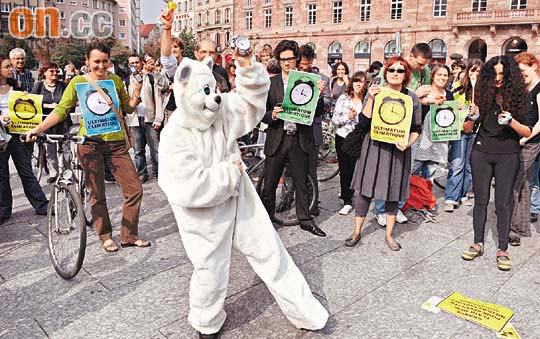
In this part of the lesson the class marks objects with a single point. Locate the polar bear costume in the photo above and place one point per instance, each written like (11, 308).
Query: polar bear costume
(215, 206)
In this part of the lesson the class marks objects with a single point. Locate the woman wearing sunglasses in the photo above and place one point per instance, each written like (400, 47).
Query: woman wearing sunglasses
(505, 118)
(52, 89)
(383, 170)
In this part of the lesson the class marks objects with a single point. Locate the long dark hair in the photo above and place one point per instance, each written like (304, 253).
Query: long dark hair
(466, 86)
(512, 96)
(10, 81)
(357, 77)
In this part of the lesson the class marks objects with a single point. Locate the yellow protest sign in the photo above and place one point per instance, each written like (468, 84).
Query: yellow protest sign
(392, 116)
(492, 316)
(25, 111)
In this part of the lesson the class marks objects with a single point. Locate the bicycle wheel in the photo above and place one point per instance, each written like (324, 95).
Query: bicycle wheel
(85, 198)
(38, 160)
(66, 229)
(327, 166)
(285, 211)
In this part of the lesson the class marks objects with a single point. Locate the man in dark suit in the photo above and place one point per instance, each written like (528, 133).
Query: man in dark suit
(288, 142)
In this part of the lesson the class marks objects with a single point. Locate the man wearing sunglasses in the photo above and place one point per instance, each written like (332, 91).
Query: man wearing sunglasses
(288, 142)
(418, 59)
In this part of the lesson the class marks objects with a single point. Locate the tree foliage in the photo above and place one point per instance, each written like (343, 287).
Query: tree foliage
(189, 43)
(65, 50)
(9, 43)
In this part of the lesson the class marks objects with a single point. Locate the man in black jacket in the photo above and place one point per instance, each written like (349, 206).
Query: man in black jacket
(288, 142)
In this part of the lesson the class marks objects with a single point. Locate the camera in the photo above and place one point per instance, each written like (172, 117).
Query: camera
(242, 43)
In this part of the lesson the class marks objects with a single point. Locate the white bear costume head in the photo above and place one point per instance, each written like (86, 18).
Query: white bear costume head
(195, 91)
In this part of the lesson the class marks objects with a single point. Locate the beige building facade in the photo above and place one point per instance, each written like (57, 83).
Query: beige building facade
(362, 31)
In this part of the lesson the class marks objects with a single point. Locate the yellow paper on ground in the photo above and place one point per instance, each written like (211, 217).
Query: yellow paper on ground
(392, 116)
(492, 316)
(25, 111)
(509, 332)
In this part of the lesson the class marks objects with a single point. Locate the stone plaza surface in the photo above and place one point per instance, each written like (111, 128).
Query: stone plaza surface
(370, 291)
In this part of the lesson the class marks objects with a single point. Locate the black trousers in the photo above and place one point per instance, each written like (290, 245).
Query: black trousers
(346, 171)
(313, 159)
(504, 167)
(289, 151)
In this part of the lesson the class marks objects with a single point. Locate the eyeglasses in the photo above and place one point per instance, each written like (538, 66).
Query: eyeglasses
(291, 59)
(396, 70)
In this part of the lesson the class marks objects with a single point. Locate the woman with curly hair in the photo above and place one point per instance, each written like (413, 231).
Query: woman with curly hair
(459, 179)
(503, 103)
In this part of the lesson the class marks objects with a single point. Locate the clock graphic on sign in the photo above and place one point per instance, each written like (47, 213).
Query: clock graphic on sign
(444, 117)
(96, 103)
(392, 110)
(25, 109)
(302, 92)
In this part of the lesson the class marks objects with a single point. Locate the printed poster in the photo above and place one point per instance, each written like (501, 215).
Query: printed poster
(98, 116)
(445, 121)
(392, 117)
(25, 111)
(491, 316)
(301, 96)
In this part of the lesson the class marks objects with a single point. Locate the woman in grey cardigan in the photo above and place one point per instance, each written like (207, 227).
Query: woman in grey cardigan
(383, 170)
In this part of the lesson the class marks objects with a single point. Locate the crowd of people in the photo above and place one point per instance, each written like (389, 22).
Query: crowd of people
(498, 146)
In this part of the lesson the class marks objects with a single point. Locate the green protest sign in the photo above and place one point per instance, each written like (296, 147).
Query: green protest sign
(445, 121)
(301, 96)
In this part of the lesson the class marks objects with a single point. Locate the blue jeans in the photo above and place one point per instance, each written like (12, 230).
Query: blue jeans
(379, 206)
(22, 160)
(459, 178)
(425, 169)
(144, 135)
(534, 188)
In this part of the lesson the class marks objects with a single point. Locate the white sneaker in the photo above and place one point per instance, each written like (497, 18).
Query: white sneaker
(381, 219)
(400, 217)
(345, 210)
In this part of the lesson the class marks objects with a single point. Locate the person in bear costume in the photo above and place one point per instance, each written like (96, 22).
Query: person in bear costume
(214, 202)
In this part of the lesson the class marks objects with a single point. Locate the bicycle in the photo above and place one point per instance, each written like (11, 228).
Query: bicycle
(66, 223)
(327, 166)
(38, 161)
(284, 213)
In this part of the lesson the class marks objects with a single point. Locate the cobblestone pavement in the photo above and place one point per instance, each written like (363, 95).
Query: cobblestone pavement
(370, 291)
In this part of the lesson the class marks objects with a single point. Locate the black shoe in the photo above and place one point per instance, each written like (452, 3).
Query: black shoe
(3, 220)
(315, 212)
(51, 180)
(41, 212)
(534, 217)
(313, 229)
(514, 241)
(209, 336)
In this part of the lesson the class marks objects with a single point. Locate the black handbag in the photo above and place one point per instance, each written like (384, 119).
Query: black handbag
(352, 145)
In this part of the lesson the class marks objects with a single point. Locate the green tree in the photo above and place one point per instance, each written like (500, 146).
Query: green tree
(65, 50)
(189, 43)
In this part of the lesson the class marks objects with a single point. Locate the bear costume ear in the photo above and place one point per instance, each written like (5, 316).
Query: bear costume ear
(185, 70)
(208, 61)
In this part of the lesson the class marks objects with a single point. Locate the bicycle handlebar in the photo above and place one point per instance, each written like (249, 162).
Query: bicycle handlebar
(64, 137)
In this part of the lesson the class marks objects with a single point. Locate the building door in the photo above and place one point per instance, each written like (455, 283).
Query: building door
(478, 50)
(514, 46)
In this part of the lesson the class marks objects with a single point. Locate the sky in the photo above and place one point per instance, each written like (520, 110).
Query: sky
(150, 10)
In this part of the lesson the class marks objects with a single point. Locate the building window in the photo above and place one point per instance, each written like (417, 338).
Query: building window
(60, 1)
(249, 20)
(122, 35)
(518, 4)
(207, 18)
(312, 14)
(62, 15)
(396, 9)
(248, 3)
(227, 15)
(121, 10)
(267, 18)
(390, 49)
(95, 4)
(218, 16)
(73, 2)
(337, 12)
(288, 16)
(122, 23)
(479, 5)
(362, 50)
(439, 8)
(85, 3)
(5, 8)
(199, 20)
(365, 10)
(267, 2)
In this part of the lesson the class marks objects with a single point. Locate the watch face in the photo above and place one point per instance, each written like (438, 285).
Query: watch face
(25, 110)
(392, 112)
(301, 94)
(444, 117)
(96, 104)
